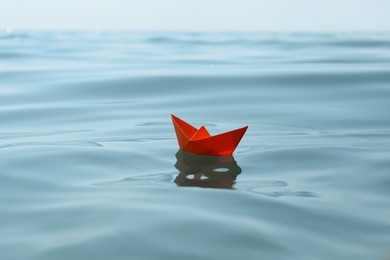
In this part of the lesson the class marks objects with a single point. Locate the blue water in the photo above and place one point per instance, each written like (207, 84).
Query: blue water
(90, 167)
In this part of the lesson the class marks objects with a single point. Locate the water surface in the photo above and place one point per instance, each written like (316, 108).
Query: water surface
(90, 167)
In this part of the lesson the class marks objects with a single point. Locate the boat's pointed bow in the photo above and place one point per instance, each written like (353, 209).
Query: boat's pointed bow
(184, 131)
(236, 136)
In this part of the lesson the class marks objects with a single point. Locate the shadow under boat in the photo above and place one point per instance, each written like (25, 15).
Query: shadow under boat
(206, 171)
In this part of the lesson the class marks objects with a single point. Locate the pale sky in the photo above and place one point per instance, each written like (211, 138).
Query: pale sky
(297, 15)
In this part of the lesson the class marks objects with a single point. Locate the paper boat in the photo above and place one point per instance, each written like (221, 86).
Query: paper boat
(199, 141)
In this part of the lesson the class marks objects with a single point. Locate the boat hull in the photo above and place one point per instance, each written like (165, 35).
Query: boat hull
(218, 145)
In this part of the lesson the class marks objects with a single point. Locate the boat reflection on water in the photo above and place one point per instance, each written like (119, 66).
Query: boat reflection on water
(206, 171)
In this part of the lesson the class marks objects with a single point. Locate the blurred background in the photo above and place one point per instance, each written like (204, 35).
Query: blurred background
(198, 15)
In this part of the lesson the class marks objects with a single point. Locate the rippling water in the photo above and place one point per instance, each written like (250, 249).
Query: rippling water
(90, 167)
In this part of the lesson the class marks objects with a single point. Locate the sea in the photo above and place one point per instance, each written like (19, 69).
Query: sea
(90, 167)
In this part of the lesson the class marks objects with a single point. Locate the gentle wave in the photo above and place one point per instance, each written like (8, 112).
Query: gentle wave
(90, 166)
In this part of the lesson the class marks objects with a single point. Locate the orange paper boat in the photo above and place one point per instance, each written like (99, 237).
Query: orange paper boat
(199, 141)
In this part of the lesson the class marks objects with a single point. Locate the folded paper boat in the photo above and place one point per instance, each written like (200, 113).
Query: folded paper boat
(199, 141)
